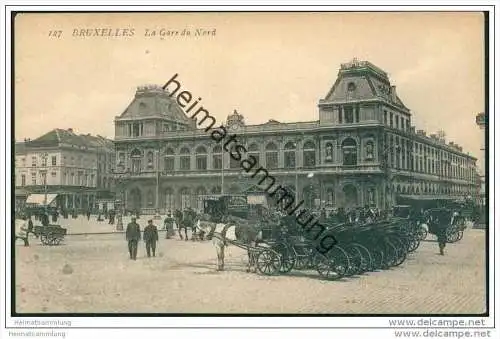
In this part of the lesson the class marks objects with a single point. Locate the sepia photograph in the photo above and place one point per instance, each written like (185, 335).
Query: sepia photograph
(250, 163)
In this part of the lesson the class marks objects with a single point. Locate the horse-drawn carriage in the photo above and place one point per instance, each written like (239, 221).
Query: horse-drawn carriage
(446, 220)
(49, 234)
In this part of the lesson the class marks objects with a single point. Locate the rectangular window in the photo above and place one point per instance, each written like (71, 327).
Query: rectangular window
(385, 117)
(272, 160)
(33, 161)
(233, 164)
(397, 121)
(185, 163)
(408, 124)
(357, 114)
(201, 162)
(391, 117)
(33, 178)
(349, 115)
(340, 115)
(169, 164)
(217, 161)
(54, 160)
(23, 180)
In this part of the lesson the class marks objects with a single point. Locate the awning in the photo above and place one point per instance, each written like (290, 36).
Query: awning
(39, 199)
(210, 197)
(427, 197)
(259, 199)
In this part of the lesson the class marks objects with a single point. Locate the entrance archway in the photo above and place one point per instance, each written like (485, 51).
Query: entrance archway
(350, 196)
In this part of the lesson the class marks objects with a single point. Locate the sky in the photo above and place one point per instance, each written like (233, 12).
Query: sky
(264, 65)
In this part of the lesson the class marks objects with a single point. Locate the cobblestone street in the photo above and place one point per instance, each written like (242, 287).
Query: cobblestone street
(92, 273)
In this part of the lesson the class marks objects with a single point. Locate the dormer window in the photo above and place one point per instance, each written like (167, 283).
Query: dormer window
(351, 87)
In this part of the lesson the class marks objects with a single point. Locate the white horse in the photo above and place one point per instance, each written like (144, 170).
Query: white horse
(233, 229)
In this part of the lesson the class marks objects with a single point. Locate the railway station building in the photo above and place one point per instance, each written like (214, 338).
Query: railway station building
(361, 150)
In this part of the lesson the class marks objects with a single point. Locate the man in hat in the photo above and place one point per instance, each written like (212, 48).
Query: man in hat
(150, 238)
(133, 235)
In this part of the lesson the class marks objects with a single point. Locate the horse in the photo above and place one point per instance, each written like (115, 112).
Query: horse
(184, 220)
(230, 229)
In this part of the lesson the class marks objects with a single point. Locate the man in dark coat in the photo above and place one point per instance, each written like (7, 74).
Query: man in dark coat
(150, 238)
(133, 235)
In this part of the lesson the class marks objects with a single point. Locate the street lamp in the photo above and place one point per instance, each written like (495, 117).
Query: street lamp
(157, 205)
(119, 177)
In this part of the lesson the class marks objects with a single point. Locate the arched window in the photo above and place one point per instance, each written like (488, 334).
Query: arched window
(201, 158)
(330, 197)
(169, 161)
(150, 199)
(136, 156)
(185, 198)
(349, 152)
(233, 163)
(217, 157)
(309, 152)
(185, 158)
(200, 191)
(271, 156)
(290, 155)
(169, 200)
(254, 151)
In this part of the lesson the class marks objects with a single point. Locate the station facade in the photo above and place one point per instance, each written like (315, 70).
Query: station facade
(362, 150)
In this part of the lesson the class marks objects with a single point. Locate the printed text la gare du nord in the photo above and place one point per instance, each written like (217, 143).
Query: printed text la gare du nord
(147, 32)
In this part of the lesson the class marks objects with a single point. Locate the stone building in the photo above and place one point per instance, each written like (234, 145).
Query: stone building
(76, 169)
(361, 150)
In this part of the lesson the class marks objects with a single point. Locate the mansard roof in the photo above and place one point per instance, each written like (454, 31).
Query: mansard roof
(362, 80)
(58, 137)
(152, 101)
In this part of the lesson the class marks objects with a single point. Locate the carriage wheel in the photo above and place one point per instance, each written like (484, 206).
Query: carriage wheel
(268, 262)
(326, 267)
(413, 244)
(44, 239)
(460, 235)
(355, 259)
(287, 257)
(57, 240)
(366, 258)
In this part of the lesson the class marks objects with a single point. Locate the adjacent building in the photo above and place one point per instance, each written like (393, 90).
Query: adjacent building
(481, 122)
(76, 169)
(361, 150)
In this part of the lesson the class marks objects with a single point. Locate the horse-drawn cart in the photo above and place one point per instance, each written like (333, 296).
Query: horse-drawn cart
(50, 235)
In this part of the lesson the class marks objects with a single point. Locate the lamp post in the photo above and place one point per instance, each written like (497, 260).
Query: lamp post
(222, 173)
(157, 205)
(119, 176)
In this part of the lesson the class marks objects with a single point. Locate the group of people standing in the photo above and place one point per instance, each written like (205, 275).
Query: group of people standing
(133, 236)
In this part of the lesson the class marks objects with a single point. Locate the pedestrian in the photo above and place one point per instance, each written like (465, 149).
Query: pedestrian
(150, 238)
(22, 230)
(168, 224)
(133, 235)
(88, 214)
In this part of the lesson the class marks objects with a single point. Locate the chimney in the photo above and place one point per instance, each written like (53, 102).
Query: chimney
(70, 130)
(393, 93)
